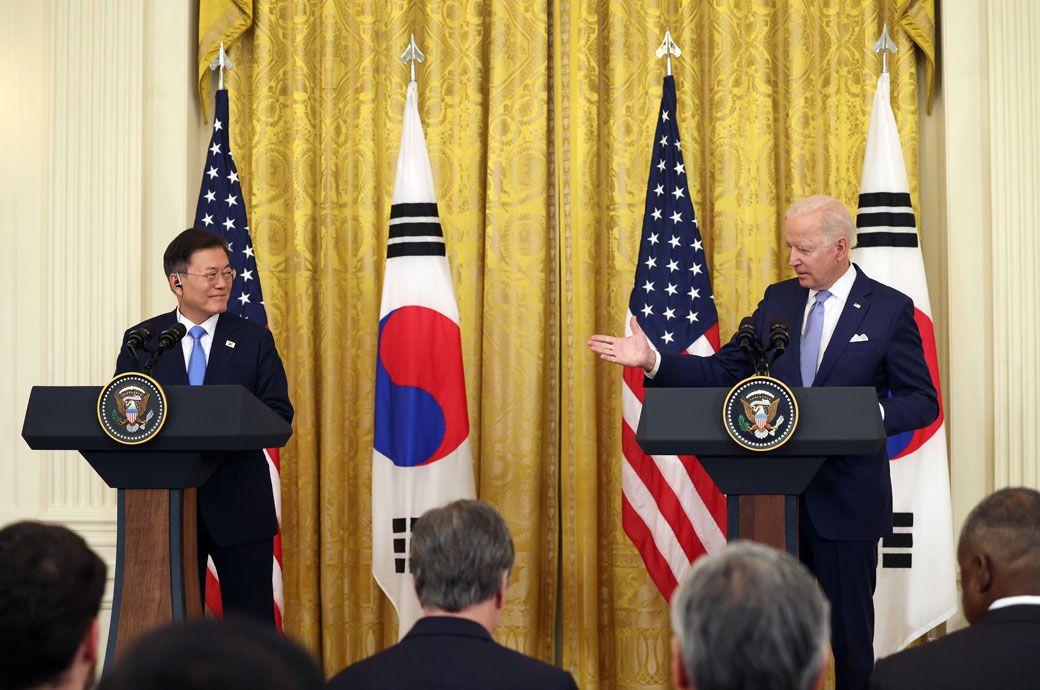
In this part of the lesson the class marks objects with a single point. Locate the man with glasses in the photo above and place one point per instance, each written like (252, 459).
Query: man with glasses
(235, 507)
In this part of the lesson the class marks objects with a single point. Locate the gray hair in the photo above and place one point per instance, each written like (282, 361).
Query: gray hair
(835, 219)
(1007, 522)
(459, 552)
(751, 617)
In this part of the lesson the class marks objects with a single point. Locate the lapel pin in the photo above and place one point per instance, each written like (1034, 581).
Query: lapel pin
(231, 343)
(856, 304)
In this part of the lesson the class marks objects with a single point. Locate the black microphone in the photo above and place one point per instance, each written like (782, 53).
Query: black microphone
(746, 337)
(167, 339)
(171, 336)
(138, 337)
(779, 338)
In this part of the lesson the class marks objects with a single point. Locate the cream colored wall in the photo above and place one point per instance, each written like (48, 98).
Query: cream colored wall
(103, 150)
(986, 146)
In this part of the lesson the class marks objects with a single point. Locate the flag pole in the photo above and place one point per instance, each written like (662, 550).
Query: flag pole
(412, 54)
(884, 46)
(222, 63)
(668, 48)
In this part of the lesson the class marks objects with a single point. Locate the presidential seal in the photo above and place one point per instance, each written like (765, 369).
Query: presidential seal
(760, 413)
(132, 408)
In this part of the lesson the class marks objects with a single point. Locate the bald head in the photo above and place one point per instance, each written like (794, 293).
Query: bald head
(999, 550)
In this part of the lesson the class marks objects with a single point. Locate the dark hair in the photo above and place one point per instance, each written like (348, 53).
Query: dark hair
(50, 592)
(458, 555)
(750, 617)
(202, 654)
(1008, 523)
(178, 253)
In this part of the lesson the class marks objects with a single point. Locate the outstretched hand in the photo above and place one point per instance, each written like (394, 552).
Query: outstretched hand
(633, 351)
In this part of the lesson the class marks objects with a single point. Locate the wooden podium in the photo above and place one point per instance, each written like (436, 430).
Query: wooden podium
(762, 488)
(156, 575)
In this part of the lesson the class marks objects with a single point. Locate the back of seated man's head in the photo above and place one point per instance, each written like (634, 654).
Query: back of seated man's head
(749, 617)
(461, 554)
(999, 550)
(206, 654)
(50, 593)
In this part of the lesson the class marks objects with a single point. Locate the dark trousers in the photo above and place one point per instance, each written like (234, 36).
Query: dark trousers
(847, 573)
(244, 571)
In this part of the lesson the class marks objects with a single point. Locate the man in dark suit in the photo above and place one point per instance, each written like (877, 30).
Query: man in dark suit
(50, 593)
(854, 332)
(235, 507)
(461, 557)
(749, 616)
(999, 557)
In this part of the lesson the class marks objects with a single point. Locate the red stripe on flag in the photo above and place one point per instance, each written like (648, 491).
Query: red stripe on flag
(634, 380)
(667, 502)
(643, 539)
(213, 602)
(713, 499)
(713, 337)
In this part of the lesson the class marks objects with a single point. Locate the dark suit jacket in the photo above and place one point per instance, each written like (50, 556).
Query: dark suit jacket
(445, 653)
(851, 496)
(1000, 651)
(236, 502)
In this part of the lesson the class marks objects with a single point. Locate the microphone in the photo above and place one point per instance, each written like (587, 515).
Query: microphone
(138, 337)
(779, 338)
(171, 336)
(746, 337)
(167, 339)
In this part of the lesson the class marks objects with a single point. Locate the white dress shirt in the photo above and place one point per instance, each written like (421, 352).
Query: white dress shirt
(831, 309)
(188, 343)
(1015, 601)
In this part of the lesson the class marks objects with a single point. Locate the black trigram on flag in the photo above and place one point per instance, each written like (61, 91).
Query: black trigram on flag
(415, 230)
(886, 219)
(402, 529)
(897, 548)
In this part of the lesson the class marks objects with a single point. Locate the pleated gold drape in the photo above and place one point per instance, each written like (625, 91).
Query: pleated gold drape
(538, 119)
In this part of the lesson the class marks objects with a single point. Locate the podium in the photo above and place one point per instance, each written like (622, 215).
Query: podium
(156, 574)
(762, 487)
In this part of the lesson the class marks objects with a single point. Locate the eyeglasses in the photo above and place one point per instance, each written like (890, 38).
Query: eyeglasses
(211, 277)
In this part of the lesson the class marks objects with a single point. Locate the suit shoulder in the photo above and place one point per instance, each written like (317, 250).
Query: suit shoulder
(528, 667)
(236, 323)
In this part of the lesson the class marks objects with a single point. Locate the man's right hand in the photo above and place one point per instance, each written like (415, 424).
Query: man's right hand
(633, 351)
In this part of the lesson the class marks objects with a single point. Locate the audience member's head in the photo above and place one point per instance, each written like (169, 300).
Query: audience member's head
(749, 617)
(999, 550)
(213, 655)
(461, 557)
(50, 593)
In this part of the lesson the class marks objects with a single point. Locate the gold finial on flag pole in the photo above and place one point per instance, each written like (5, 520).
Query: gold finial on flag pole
(884, 45)
(412, 54)
(668, 48)
(222, 63)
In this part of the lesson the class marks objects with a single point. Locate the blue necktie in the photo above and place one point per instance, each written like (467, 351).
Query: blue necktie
(197, 361)
(811, 338)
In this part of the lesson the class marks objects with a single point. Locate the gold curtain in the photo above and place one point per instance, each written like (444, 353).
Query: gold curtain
(538, 119)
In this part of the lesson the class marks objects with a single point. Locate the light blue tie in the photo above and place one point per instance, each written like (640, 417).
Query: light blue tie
(197, 361)
(811, 338)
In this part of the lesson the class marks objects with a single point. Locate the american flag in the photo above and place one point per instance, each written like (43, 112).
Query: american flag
(670, 508)
(222, 209)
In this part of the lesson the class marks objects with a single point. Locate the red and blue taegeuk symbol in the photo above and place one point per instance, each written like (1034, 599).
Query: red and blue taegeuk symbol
(420, 387)
(907, 442)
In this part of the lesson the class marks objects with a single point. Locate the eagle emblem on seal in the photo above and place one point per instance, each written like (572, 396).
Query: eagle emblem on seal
(132, 404)
(762, 416)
